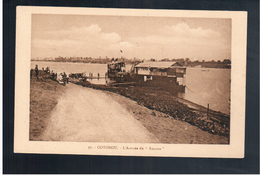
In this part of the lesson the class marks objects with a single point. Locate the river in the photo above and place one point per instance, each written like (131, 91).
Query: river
(208, 86)
(203, 85)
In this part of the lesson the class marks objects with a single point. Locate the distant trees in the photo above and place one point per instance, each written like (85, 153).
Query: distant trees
(95, 60)
(226, 63)
(216, 64)
(165, 59)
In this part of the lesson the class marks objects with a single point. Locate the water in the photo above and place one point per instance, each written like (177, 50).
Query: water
(208, 86)
(204, 85)
(72, 67)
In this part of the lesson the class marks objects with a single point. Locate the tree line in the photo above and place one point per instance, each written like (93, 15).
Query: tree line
(226, 63)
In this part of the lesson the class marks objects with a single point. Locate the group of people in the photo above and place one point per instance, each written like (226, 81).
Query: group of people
(36, 70)
(55, 76)
(91, 75)
(63, 77)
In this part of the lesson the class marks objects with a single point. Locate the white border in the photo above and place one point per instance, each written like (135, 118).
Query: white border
(22, 92)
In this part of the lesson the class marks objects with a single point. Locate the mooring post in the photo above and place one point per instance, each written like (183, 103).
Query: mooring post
(208, 112)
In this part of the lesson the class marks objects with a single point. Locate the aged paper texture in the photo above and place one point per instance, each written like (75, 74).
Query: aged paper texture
(54, 33)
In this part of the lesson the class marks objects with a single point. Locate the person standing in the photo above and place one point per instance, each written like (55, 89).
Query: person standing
(65, 77)
(36, 70)
(31, 72)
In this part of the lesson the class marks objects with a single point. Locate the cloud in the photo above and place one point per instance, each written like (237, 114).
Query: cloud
(181, 41)
(183, 30)
(79, 41)
(111, 37)
(121, 46)
(74, 33)
(176, 41)
(179, 33)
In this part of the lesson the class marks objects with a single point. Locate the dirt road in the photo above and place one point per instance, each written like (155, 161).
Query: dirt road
(84, 114)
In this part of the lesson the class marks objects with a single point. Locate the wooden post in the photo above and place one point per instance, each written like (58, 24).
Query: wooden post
(208, 112)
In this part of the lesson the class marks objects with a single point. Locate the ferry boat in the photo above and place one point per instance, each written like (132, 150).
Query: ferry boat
(116, 72)
(167, 75)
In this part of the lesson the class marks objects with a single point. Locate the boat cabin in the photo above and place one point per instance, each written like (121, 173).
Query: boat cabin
(161, 71)
(116, 71)
(118, 66)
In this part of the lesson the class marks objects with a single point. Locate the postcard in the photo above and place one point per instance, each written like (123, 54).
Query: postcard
(130, 82)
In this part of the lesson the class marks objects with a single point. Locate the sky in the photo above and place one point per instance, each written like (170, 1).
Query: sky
(130, 36)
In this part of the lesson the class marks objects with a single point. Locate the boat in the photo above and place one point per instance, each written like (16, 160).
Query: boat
(116, 72)
(167, 75)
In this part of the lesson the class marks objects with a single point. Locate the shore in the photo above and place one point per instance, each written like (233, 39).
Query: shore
(160, 100)
(166, 128)
(45, 94)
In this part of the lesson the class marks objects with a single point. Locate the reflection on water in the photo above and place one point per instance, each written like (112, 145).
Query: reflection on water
(203, 85)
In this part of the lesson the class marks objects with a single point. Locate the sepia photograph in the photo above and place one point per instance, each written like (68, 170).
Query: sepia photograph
(130, 79)
(130, 82)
